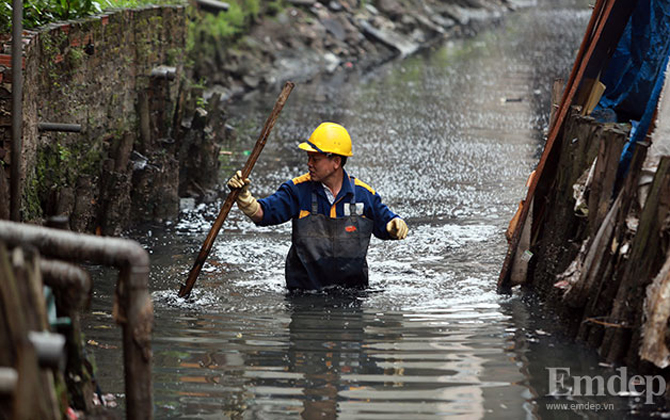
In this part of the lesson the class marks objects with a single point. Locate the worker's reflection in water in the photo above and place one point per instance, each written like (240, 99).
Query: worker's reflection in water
(326, 335)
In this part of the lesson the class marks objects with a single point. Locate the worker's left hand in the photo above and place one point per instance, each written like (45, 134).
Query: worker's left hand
(397, 228)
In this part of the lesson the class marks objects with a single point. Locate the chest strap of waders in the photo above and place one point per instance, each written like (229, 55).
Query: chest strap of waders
(315, 206)
(352, 204)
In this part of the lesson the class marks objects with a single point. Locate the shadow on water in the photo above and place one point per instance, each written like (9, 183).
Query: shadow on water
(448, 138)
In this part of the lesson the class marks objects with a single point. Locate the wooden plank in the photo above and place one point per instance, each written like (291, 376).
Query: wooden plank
(607, 275)
(556, 93)
(522, 259)
(25, 405)
(604, 176)
(642, 265)
(562, 230)
(580, 292)
(653, 347)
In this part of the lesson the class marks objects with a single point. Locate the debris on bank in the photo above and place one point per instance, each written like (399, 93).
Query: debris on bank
(592, 236)
(309, 37)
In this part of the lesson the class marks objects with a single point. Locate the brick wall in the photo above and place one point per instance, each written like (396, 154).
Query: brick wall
(93, 72)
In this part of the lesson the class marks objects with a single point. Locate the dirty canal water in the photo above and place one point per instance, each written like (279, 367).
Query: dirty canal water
(447, 137)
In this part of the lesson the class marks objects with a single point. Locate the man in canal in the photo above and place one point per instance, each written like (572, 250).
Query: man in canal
(333, 215)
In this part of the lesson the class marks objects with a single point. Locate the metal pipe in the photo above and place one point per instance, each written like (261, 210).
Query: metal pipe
(213, 6)
(9, 377)
(58, 222)
(66, 128)
(135, 310)
(49, 347)
(17, 110)
(164, 72)
(73, 281)
(58, 274)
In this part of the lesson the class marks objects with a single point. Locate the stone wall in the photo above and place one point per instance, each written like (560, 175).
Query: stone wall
(123, 166)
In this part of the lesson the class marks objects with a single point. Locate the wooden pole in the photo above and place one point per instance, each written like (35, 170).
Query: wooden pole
(17, 110)
(556, 92)
(206, 248)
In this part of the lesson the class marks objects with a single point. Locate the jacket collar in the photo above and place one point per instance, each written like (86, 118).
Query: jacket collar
(345, 191)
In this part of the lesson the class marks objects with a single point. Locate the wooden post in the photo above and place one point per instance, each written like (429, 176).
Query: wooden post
(558, 232)
(601, 223)
(25, 405)
(604, 176)
(605, 274)
(643, 263)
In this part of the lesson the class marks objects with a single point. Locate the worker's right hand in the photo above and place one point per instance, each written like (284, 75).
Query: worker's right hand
(245, 201)
(237, 182)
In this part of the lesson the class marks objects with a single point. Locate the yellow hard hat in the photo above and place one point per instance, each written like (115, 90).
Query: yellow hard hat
(329, 138)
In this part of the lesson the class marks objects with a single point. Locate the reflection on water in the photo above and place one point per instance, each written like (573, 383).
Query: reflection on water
(336, 356)
(448, 138)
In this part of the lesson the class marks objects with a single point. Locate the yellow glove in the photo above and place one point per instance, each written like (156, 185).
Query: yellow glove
(397, 228)
(245, 201)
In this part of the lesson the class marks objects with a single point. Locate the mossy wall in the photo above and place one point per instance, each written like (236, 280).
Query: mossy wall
(90, 72)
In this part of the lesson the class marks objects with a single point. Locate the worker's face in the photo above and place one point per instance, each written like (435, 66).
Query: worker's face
(321, 166)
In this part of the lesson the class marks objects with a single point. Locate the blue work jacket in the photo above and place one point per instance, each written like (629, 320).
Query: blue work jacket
(293, 199)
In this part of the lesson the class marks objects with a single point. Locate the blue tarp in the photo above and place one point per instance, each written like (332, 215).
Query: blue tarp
(634, 76)
(637, 61)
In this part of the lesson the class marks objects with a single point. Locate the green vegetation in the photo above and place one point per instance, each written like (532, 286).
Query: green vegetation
(75, 57)
(274, 7)
(58, 166)
(40, 12)
(208, 32)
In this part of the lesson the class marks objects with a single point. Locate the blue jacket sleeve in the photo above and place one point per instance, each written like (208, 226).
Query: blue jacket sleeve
(281, 206)
(381, 215)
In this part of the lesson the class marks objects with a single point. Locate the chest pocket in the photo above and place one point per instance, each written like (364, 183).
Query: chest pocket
(359, 209)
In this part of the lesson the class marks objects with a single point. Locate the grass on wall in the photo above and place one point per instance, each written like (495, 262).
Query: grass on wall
(40, 12)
